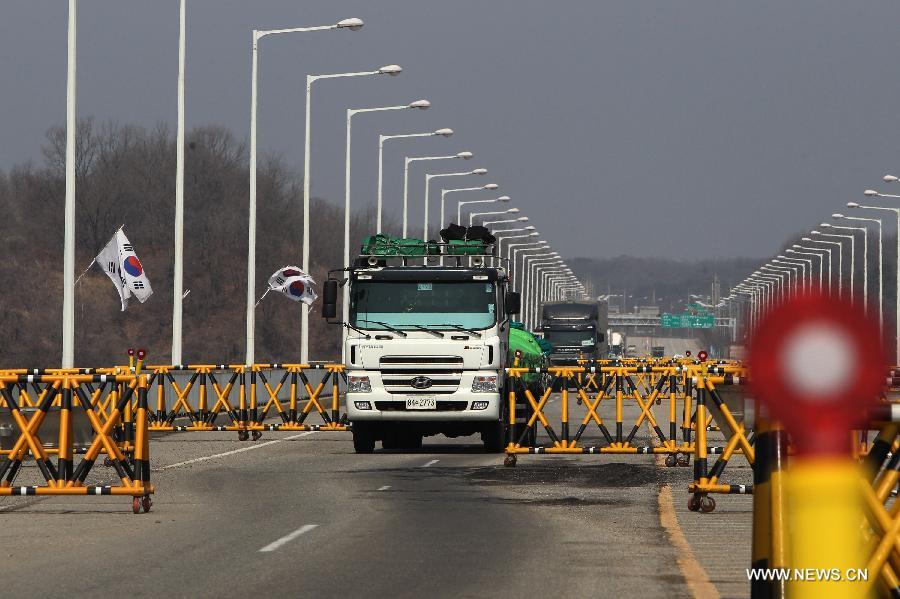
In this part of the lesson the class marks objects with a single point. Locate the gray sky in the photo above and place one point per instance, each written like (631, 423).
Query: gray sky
(680, 129)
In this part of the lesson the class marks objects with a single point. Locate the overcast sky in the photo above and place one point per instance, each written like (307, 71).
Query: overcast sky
(677, 129)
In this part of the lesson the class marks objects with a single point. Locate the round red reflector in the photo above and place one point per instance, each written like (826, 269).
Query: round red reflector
(141, 354)
(702, 355)
(687, 353)
(816, 363)
(130, 351)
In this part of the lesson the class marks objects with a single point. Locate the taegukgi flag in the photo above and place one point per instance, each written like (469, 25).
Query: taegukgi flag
(124, 269)
(294, 283)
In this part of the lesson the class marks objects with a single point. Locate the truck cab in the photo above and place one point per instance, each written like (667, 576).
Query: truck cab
(575, 330)
(426, 346)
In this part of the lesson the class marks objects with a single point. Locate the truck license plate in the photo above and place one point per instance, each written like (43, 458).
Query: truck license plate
(421, 403)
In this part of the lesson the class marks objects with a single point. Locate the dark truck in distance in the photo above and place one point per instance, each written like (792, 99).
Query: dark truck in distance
(576, 330)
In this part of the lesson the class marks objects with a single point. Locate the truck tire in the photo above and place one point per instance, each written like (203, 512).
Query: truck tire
(391, 439)
(411, 440)
(493, 437)
(363, 438)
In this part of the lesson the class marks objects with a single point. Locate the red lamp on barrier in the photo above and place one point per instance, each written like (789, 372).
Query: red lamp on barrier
(702, 355)
(816, 363)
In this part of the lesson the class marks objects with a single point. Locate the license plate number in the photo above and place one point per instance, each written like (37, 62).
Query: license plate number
(421, 403)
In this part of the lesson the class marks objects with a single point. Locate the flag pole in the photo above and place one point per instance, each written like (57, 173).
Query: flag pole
(268, 289)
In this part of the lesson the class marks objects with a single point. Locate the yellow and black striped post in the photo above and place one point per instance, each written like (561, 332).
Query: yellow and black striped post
(768, 546)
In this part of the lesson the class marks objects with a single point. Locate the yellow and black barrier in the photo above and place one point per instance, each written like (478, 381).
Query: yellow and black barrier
(61, 393)
(645, 385)
(708, 480)
(245, 398)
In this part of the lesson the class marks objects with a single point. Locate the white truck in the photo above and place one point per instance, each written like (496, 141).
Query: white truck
(426, 347)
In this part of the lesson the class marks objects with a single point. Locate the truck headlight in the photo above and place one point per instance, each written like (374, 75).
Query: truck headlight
(485, 384)
(359, 384)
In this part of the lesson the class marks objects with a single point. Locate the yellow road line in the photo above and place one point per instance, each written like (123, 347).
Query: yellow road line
(694, 575)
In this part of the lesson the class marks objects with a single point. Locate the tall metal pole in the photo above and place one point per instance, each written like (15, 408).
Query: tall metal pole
(379, 202)
(304, 309)
(251, 234)
(68, 349)
(345, 307)
(178, 276)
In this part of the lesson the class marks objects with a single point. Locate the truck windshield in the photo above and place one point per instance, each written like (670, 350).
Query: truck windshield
(403, 304)
(571, 338)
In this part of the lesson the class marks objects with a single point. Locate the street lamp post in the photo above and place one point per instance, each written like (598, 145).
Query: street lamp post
(392, 70)
(444, 192)
(68, 345)
(840, 250)
(817, 250)
(878, 222)
(865, 253)
(527, 280)
(381, 139)
(428, 179)
(350, 24)
(409, 160)
(352, 112)
(460, 203)
(178, 271)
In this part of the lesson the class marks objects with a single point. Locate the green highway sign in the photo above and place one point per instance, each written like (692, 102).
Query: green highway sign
(687, 321)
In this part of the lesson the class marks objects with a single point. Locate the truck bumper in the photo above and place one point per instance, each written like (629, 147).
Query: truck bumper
(458, 406)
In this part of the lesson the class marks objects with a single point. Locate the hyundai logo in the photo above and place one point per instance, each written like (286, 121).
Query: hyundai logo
(420, 382)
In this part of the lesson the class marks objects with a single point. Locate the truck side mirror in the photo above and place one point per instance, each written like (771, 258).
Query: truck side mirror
(329, 299)
(513, 302)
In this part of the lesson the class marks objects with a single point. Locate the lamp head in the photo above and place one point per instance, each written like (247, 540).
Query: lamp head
(871, 192)
(464, 155)
(491, 186)
(523, 219)
(352, 24)
(825, 225)
(503, 199)
(529, 228)
(392, 69)
(420, 104)
(890, 178)
(479, 171)
(513, 210)
(852, 205)
(837, 215)
(814, 232)
(805, 239)
(444, 132)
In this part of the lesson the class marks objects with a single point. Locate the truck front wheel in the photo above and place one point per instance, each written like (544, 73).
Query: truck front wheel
(363, 437)
(493, 437)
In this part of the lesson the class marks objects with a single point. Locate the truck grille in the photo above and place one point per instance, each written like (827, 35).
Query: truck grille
(399, 372)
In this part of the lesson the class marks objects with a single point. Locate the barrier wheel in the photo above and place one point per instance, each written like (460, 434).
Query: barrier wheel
(707, 504)
(510, 461)
(147, 503)
(670, 460)
(683, 459)
(257, 435)
(243, 435)
(694, 502)
(136, 505)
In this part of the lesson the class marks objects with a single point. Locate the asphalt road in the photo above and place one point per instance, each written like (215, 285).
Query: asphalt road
(305, 516)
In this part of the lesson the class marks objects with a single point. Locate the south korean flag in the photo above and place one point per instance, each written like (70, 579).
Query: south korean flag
(294, 284)
(123, 268)
(132, 270)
